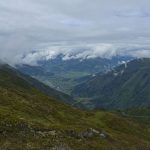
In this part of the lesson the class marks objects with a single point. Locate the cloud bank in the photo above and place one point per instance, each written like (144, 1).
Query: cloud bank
(89, 51)
(75, 28)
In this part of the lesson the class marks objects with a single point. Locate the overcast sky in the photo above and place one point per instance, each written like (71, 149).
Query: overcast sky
(76, 28)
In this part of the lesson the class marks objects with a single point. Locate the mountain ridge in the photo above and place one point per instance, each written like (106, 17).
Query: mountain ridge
(124, 86)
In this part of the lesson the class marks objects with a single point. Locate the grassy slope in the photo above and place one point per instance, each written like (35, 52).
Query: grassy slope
(138, 114)
(44, 88)
(24, 110)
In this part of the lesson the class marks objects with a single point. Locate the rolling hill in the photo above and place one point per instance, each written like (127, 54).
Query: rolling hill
(124, 87)
(29, 120)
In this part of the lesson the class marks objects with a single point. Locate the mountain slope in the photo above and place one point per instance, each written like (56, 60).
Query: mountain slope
(124, 87)
(31, 120)
(63, 74)
(5, 69)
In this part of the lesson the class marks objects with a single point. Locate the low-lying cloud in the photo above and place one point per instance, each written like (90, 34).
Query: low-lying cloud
(89, 51)
(76, 29)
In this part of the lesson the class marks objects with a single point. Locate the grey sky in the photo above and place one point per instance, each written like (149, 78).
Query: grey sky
(50, 27)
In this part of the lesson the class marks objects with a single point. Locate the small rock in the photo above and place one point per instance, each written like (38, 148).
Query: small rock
(53, 133)
(87, 134)
(94, 131)
(103, 135)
